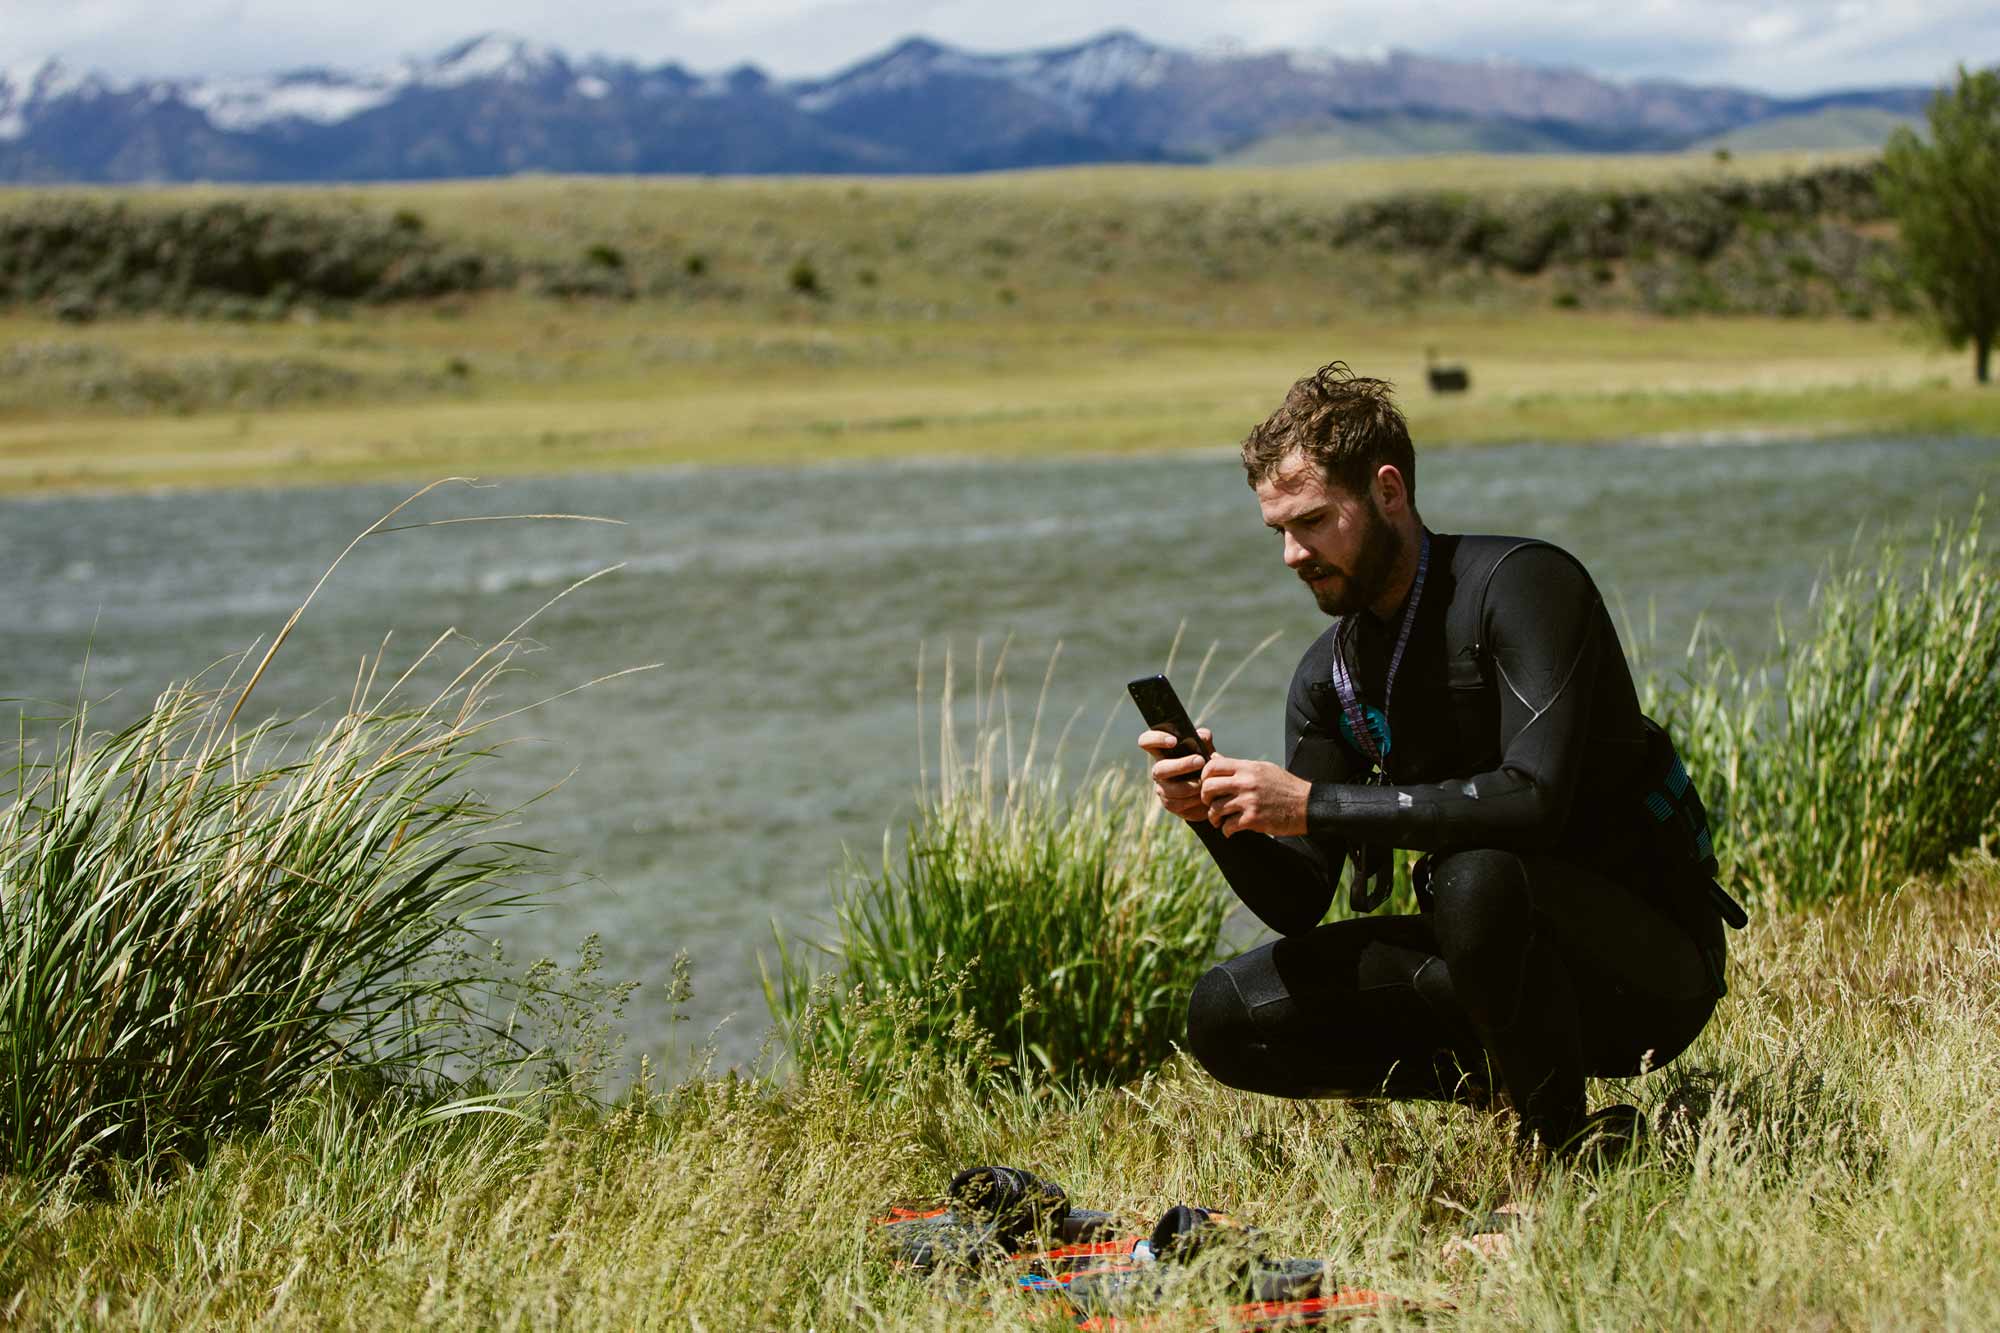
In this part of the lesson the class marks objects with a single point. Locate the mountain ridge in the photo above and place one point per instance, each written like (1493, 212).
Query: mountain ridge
(496, 104)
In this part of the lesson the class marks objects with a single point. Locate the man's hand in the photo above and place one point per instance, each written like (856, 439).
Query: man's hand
(1251, 794)
(1178, 781)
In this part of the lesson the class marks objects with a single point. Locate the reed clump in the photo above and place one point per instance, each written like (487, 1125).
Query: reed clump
(1866, 751)
(1067, 926)
(1063, 922)
(195, 919)
(200, 919)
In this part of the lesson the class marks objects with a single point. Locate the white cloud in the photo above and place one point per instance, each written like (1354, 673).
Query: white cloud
(724, 18)
(1796, 46)
(1770, 29)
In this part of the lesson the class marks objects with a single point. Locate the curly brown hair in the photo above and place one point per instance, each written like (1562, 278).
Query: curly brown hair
(1347, 424)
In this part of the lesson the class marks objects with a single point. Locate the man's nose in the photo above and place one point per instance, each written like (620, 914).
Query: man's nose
(1295, 554)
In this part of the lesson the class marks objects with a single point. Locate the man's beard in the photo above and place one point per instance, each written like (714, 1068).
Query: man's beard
(1359, 588)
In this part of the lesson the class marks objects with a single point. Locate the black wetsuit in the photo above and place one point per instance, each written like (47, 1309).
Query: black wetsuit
(1553, 941)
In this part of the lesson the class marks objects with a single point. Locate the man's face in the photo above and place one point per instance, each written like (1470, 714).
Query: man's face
(1337, 542)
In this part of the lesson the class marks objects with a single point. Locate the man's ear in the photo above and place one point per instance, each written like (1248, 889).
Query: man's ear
(1391, 494)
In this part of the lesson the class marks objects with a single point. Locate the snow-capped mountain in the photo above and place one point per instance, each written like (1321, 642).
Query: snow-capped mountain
(497, 104)
(1073, 78)
(321, 97)
(27, 90)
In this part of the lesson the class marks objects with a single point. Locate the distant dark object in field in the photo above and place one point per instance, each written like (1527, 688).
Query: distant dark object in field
(804, 279)
(1445, 379)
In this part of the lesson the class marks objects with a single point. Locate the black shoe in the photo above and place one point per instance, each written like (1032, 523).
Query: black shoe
(993, 1211)
(1200, 1252)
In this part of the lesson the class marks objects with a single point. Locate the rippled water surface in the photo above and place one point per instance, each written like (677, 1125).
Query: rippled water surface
(699, 802)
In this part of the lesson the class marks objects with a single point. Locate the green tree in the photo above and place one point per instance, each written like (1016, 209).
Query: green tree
(1945, 195)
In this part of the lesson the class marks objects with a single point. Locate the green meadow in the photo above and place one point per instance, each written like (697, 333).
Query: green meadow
(712, 321)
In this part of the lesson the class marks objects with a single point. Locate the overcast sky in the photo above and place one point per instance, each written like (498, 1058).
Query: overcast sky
(1791, 47)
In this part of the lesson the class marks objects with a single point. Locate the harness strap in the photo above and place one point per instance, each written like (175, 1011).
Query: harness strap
(1375, 865)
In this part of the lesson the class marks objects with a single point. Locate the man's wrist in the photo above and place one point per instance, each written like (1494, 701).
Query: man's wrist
(1323, 808)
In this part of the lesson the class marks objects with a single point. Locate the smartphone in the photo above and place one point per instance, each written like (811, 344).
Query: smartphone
(1163, 711)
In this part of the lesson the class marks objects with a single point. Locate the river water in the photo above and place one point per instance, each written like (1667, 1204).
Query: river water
(789, 610)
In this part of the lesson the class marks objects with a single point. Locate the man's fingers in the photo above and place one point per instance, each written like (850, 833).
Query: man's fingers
(1232, 804)
(1176, 770)
(1221, 785)
(1153, 738)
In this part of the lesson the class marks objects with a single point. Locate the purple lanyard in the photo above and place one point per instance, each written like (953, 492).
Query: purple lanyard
(1343, 679)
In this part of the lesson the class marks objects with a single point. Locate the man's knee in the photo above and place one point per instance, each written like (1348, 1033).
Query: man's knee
(1477, 894)
(1222, 1033)
(1483, 915)
(1240, 1049)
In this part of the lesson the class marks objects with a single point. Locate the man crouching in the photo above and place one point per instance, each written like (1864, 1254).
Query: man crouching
(1471, 702)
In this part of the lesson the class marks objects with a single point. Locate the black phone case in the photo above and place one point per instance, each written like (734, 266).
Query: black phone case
(1163, 711)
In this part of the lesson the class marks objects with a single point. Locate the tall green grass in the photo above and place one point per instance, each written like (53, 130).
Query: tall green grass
(198, 918)
(1067, 926)
(1063, 923)
(1866, 751)
(194, 920)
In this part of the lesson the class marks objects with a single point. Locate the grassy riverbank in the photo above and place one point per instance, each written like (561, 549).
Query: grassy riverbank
(1089, 311)
(1824, 1157)
(196, 1141)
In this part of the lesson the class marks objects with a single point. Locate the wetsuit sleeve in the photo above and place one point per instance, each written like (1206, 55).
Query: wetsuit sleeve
(1540, 624)
(1288, 882)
